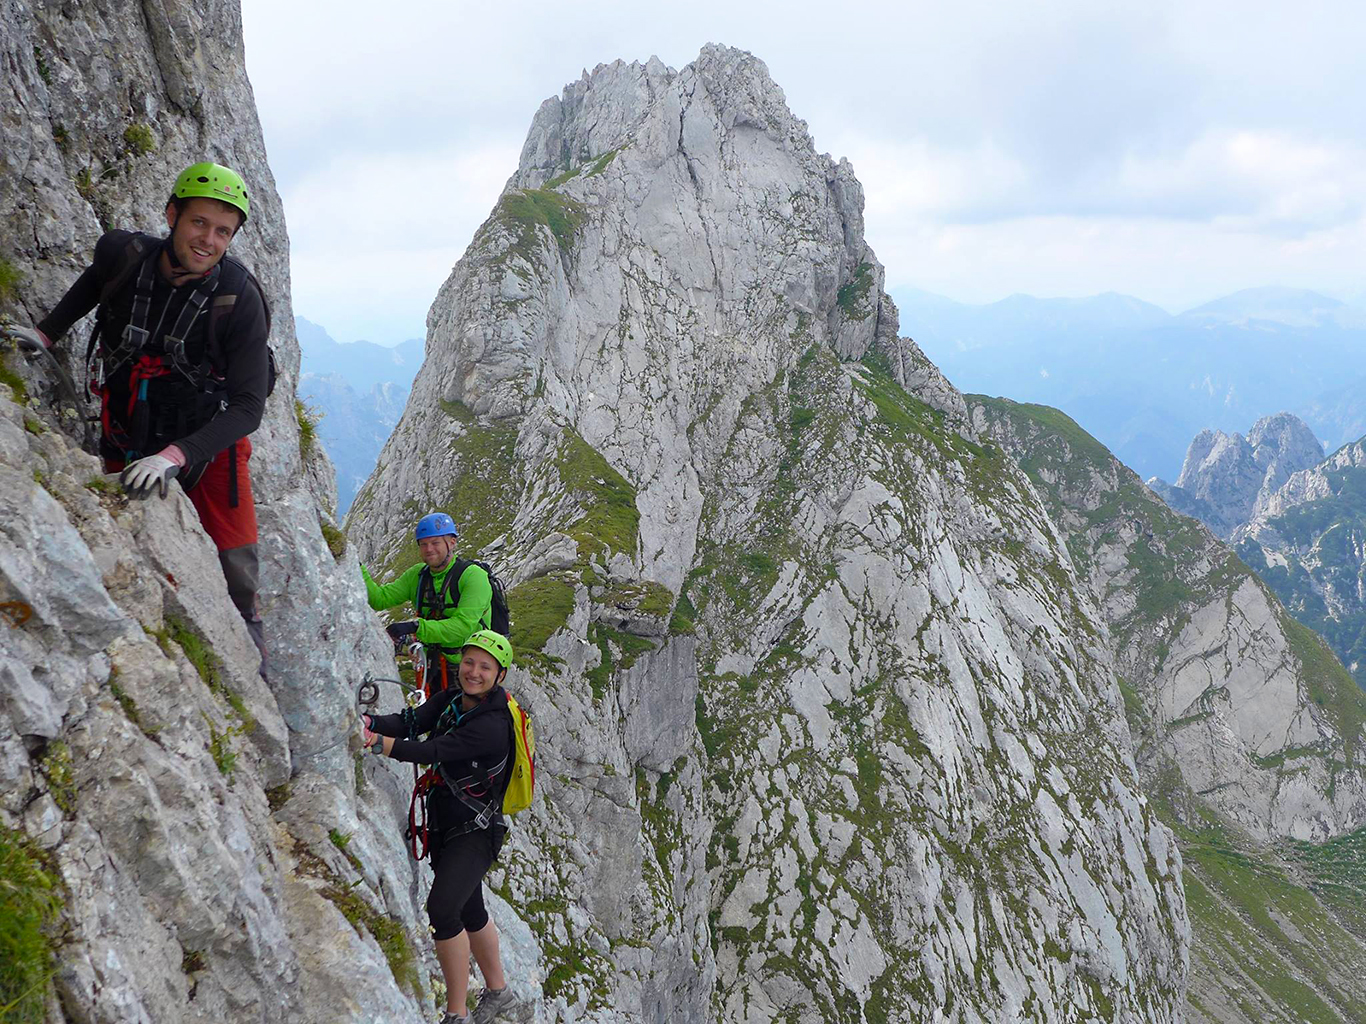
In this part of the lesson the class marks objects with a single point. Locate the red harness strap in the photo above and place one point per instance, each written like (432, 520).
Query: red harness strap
(417, 827)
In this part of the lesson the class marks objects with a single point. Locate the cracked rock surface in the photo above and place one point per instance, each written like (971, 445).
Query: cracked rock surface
(187, 807)
(829, 724)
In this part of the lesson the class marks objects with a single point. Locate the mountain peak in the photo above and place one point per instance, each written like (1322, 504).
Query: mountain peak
(1290, 307)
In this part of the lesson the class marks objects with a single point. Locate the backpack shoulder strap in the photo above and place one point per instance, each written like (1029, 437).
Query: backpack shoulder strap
(139, 247)
(424, 587)
(457, 570)
(135, 252)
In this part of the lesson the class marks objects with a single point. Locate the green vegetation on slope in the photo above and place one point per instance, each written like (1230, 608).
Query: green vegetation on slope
(1254, 920)
(610, 520)
(29, 904)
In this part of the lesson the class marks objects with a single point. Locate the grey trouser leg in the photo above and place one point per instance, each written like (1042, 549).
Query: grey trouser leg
(242, 568)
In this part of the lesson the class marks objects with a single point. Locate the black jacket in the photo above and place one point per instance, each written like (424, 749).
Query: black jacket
(470, 743)
(238, 355)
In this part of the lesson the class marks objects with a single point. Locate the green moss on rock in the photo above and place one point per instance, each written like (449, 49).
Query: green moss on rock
(853, 295)
(336, 540)
(11, 277)
(539, 608)
(529, 209)
(139, 138)
(610, 519)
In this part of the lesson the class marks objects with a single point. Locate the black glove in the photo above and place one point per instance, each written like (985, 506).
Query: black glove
(400, 631)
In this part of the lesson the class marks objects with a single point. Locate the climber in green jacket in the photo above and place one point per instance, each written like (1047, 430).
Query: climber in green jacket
(453, 599)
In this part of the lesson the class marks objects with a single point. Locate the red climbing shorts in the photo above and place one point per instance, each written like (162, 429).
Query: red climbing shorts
(228, 524)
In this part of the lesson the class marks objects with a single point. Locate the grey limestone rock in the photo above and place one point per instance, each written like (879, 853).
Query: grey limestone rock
(1226, 478)
(858, 746)
(140, 740)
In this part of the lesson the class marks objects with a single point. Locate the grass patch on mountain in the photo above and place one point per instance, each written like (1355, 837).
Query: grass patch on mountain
(307, 417)
(11, 277)
(525, 211)
(1245, 909)
(852, 297)
(1251, 913)
(644, 597)
(481, 500)
(14, 382)
(539, 608)
(1337, 870)
(610, 521)
(30, 902)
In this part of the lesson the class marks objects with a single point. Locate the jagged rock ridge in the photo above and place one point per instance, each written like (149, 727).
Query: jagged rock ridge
(1308, 540)
(1209, 664)
(1294, 516)
(831, 726)
(1226, 479)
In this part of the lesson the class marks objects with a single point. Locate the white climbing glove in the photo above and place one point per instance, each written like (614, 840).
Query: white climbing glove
(141, 477)
(29, 339)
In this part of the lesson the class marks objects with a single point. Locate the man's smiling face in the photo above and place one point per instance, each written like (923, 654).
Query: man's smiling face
(200, 232)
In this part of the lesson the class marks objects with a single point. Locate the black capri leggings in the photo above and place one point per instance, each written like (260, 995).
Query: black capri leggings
(456, 902)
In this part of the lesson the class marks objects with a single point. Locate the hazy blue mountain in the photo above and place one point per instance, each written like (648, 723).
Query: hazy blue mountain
(1338, 416)
(1290, 307)
(1141, 380)
(358, 390)
(359, 363)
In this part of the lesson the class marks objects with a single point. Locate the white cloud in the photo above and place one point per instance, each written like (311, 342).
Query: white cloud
(373, 238)
(1174, 263)
(1169, 150)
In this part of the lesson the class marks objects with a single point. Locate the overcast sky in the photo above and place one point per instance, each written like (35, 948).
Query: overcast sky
(1172, 151)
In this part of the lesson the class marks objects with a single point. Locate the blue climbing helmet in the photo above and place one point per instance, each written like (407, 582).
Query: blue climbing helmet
(437, 524)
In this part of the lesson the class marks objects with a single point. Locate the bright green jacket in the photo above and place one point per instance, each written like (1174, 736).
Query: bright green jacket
(472, 613)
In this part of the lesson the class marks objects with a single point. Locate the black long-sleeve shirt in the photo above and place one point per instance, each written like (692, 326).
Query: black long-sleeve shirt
(239, 355)
(475, 741)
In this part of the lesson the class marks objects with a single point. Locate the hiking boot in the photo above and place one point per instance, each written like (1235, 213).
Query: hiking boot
(452, 1018)
(493, 1002)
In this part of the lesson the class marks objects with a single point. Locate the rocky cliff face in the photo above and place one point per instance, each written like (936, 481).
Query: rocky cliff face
(830, 728)
(1308, 540)
(1226, 478)
(184, 807)
(1294, 516)
(1248, 731)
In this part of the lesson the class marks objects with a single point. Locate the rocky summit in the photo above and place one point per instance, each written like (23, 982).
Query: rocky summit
(857, 700)
(1226, 478)
(1293, 515)
(1308, 540)
(831, 728)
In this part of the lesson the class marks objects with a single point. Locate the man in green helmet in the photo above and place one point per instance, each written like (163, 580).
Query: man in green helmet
(183, 364)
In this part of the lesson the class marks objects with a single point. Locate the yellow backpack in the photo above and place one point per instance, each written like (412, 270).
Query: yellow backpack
(522, 782)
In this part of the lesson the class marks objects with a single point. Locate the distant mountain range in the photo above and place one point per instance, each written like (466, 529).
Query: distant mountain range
(359, 390)
(1297, 518)
(1143, 381)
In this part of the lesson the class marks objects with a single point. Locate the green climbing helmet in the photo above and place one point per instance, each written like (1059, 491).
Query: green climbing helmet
(213, 181)
(495, 643)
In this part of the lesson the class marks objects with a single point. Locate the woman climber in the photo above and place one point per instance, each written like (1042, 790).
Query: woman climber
(470, 740)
